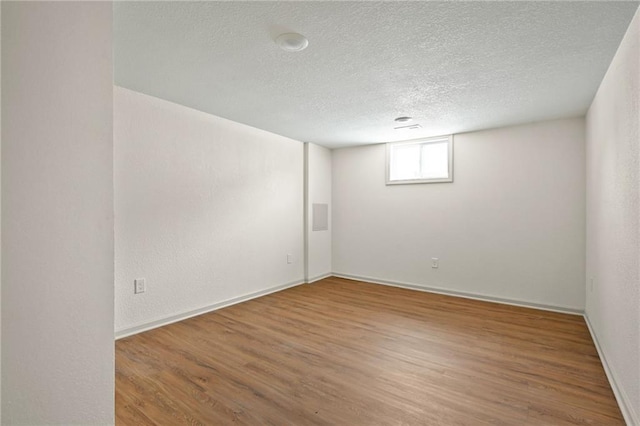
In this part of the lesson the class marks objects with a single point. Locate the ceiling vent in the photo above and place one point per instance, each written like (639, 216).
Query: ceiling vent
(409, 127)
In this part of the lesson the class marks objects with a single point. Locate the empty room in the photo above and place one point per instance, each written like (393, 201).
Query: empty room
(320, 213)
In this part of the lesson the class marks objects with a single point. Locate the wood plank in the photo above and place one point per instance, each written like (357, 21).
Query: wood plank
(345, 352)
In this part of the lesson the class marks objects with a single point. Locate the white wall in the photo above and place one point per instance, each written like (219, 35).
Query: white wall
(613, 213)
(206, 210)
(57, 214)
(510, 226)
(319, 192)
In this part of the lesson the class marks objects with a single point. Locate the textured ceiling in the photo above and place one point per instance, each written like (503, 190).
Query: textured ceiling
(453, 66)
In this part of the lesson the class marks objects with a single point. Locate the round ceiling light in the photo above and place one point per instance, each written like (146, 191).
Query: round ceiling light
(292, 42)
(403, 119)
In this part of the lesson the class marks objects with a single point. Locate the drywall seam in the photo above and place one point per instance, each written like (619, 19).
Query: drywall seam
(474, 296)
(130, 331)
(630, 417)
(318, 278)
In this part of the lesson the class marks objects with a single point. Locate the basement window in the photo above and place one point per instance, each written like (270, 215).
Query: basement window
(420, 161)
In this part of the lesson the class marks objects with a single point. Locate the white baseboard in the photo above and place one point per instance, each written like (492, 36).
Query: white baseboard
(474, 296)
(319, 277)
(130, 331)
(630, 417)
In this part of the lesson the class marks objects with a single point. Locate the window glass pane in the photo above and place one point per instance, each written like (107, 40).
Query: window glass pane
(435, 161)
(420, 161)
(405, 162)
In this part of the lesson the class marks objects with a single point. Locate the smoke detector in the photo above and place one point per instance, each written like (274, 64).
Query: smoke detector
(292, 42)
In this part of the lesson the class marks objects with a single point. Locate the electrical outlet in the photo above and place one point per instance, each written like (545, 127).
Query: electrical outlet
(139, 286)
(434, 262)
(289, 258)
(591, 284)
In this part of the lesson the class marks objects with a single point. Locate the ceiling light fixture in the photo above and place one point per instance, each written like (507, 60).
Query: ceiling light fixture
(292, 42)
(403, 119)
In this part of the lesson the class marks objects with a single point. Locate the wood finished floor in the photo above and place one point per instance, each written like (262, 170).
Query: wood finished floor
(341, 352)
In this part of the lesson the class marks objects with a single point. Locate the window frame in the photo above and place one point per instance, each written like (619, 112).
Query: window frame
(436, 139)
